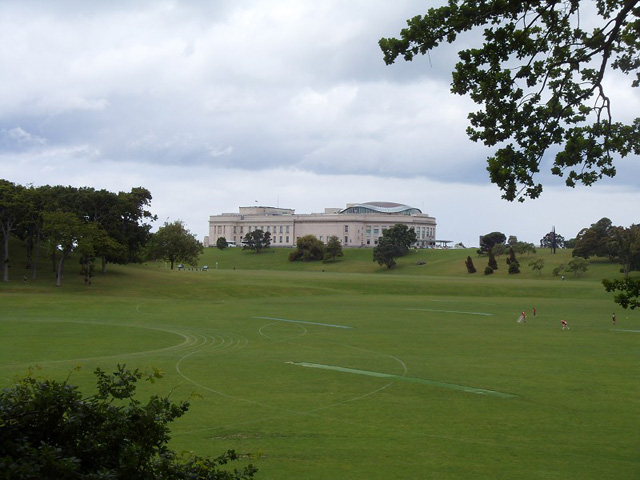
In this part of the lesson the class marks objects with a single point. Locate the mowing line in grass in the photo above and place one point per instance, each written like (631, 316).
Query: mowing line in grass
(449, 311)
(621, 330)
(301, 321)
(451, 386)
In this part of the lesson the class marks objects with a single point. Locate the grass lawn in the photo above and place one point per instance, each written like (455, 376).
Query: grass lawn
(348, 370)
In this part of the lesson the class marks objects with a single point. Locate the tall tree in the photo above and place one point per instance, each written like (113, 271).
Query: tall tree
(540, 78)
(394, 243)
(552, 240)
(256, 240)
(173, 242)
(594, 241)
(490, 240)
(12, 208)
(63, 230)
(332, 249)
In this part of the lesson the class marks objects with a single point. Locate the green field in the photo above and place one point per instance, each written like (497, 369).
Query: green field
(348, 370)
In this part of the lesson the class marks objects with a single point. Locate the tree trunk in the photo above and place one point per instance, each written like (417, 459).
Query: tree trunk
(59, 271)
(5, 257)
(36, 256)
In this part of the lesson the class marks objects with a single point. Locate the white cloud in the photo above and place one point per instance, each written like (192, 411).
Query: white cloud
(210, 104)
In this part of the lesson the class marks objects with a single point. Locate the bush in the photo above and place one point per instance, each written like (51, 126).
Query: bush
(514, 267)
(470, 266)
(488, 270)
(49, 429)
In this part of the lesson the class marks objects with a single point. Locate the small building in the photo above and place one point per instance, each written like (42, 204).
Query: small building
(358, 225)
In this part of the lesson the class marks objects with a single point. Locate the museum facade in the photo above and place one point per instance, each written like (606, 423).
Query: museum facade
(358, 225)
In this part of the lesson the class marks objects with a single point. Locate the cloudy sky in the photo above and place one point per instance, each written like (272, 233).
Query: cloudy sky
(217, 104)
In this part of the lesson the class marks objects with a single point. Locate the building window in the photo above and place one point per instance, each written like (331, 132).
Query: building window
(346, 229)
(346, 240)
(287, 231)
(280, 238)
(287, 237)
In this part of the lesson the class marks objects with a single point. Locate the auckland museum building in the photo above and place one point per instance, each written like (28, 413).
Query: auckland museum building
(359, 225)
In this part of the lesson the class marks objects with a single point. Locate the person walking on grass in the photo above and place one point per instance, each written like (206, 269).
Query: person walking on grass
(564, 325)
(613, 318)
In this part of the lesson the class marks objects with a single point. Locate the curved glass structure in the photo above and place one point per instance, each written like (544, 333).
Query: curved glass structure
(382, 207)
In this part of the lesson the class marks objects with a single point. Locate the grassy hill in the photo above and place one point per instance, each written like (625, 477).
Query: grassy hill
(349, 370)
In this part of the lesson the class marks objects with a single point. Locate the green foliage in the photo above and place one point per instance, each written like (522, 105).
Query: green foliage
(558, 269)
(540, 78)
(593, 241)
(578, 266)
(308, 248)
(394, 243)
(491, 240)
(603, 239)
(628, 295)
(222, 243)
(173, 242)
(332, 249)
(538, 264)
(493, 264)
(488, 270)
(514, 267)
(552, 240)
(48, 429)
(256, 240)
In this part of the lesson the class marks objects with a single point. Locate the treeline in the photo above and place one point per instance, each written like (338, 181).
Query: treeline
(92, 224)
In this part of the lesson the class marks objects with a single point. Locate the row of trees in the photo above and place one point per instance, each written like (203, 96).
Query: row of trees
(619, 244)
(91, 223)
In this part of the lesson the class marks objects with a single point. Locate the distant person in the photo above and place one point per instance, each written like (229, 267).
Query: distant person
(535, 312)
(522, 318)
(613, 318)
(564, 325)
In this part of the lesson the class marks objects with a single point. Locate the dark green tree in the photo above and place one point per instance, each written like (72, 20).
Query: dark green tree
(493, 264)
(49, 429)
(470, 266)
(12, 209)
(332, 250)
(552, 240)
(222, 243)
(256, 240)
(490, 240)
(540, 78)
(173, 242)
(628, 291)
(308, 248)
(595, 240)
(394, 243)
(624, 247)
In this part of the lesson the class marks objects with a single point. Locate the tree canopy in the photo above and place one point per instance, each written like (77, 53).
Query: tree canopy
(256, 240)
(49, 429)
(173, 242)
(540, 78)
(112, 226)
(394, 243)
